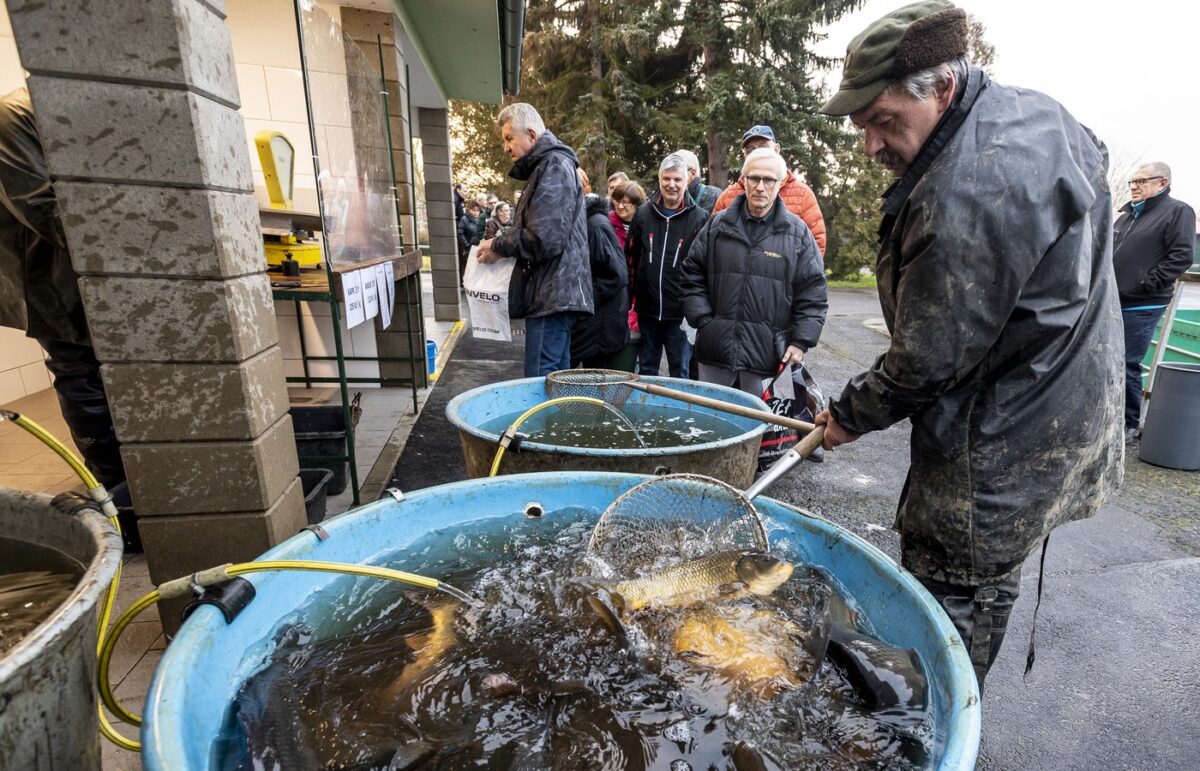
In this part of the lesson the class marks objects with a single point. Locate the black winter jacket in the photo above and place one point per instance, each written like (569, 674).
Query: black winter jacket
(1150, 252)
(466, 234)
(548, 236)
(39, 289)
(1006, 348)
(607, 330)
(657, 244)
(751, 299)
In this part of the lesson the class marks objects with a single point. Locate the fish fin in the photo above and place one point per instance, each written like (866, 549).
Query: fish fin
(876, 669)
(731, 591)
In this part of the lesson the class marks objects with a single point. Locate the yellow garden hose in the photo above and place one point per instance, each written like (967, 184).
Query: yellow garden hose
(507, 437)
(106, 642)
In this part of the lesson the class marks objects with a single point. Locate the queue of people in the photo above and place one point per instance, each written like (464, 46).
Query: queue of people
(654, 235)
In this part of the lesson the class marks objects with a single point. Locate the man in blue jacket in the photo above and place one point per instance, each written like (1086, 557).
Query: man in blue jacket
(1153, 243)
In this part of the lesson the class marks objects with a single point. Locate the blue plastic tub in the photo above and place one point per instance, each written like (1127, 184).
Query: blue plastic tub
(208, 660)
(732, 459)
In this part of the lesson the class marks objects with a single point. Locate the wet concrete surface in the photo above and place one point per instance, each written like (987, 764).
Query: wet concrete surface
(1115, 684)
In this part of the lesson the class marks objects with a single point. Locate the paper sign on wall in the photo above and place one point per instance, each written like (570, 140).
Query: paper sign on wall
(385, 296)
(370, 292)
(352, 294)
(390, 269)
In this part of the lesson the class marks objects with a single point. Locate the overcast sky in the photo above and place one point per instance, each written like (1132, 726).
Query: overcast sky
(1128, 70)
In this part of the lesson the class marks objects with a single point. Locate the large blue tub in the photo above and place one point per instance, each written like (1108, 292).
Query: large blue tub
(732, 459)
(206, 663)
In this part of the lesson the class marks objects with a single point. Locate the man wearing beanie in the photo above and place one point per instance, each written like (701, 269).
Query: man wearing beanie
(995, 277)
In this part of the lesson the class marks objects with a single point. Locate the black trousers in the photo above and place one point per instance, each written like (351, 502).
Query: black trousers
(85, 407)
(979, 613)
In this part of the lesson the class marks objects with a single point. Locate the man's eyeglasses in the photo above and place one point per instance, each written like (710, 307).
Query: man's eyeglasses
(1142, 180)
(767, 182)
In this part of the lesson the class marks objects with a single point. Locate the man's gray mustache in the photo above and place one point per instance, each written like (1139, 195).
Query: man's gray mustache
(887, 158)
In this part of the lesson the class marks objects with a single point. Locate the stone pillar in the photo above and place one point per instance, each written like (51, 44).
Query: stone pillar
(137, 107)
(403, 338)
(439, 203)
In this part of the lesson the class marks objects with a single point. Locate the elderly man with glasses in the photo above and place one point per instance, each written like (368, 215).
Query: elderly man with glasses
(797, 196)
(1154, 240)
(753, 284)
(1005, 349)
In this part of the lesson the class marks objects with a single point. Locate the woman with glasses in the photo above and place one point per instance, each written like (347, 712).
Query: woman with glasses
(626, 197)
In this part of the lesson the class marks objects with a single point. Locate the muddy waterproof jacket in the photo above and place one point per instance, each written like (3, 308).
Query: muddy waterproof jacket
(606, 330)
(39, 290)
(750, 298)
(548, 236)
(657, 244)
(995, 277)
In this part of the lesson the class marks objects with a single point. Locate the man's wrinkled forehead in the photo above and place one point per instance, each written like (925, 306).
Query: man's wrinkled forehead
(884, 107)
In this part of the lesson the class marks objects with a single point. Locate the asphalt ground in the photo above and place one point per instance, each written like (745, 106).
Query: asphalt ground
(1116, 684)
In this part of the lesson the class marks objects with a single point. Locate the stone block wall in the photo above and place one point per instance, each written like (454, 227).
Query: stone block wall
(439, 202)
(150, 162)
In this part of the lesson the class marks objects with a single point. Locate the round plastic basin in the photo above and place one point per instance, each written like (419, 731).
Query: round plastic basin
(202, 669)
(732, 459)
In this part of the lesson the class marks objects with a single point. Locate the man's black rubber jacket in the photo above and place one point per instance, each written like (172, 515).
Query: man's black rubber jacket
(995, 277)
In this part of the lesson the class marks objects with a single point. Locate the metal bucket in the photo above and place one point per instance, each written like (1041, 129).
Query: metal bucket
(1173, 419)
(732, 459)
(47, 698)
(203, 668)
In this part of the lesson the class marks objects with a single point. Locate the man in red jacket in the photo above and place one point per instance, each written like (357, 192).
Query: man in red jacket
(797, 196)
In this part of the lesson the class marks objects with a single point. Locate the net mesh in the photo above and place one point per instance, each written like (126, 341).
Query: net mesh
(610, 386)
(672, 519)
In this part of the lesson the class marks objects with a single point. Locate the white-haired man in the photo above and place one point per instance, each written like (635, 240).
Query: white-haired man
(1154, 240)
(658, 240)
(1005, 347)
(704, 195)
(552, 280)
(753, 283)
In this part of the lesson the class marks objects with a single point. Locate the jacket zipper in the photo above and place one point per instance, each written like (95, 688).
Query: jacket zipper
(678, 246)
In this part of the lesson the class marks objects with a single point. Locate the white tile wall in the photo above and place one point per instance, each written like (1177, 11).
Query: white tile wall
(35, 377)
(263, 32)
(252, 87)
(285, 90)
(11, 387)
(22, 371)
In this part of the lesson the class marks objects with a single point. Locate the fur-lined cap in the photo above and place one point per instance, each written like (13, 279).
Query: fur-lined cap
(909, 39)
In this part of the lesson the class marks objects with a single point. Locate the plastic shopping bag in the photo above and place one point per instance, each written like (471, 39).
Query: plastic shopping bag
(486, 286)
(792, 393)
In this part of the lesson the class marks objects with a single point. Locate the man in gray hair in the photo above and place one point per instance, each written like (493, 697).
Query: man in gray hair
(1154, 240)
(704, 195)
(1005, 349)
(552, 280)
(658, 240)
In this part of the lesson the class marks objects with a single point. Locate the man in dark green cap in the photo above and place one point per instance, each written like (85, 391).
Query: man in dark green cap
(995, 278)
